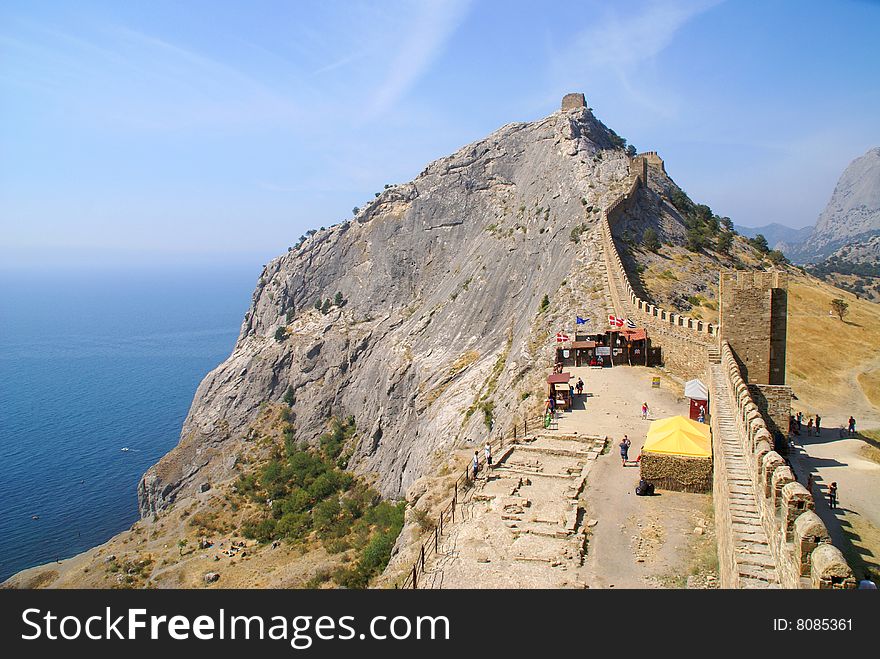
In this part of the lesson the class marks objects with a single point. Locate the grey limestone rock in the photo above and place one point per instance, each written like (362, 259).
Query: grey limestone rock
(442, 279)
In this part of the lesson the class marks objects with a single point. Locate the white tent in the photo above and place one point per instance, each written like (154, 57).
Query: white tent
(696, 390)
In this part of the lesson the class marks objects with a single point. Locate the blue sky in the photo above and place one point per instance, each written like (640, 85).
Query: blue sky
(163, 131)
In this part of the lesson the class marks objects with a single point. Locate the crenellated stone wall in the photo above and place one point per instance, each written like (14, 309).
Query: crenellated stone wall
(799, 542)
(684, 340)
(754, 309)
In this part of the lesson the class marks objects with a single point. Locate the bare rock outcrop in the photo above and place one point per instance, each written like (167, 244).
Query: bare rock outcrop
(440, 323)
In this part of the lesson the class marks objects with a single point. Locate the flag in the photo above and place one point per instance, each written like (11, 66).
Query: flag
(581, 321)
(561, 337)
(630, 324)
(619, 322)
(615, 321)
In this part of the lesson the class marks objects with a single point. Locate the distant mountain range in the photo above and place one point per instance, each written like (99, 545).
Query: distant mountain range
(776, 234)
(846, 226)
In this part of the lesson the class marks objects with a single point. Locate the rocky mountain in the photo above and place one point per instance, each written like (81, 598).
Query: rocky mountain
(440, 316)
(851, 216)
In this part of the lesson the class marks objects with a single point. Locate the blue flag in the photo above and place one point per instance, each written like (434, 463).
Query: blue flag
(581, 321)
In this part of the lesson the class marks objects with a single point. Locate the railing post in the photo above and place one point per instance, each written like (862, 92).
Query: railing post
(423, 558)
(415, 583)
(436, 541)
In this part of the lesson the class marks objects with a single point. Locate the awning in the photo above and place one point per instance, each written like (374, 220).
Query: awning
(639, 334)
(558, 378)
(696, 390)
(679, 435)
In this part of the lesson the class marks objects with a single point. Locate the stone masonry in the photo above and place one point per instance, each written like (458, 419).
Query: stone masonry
(573, 101)
(522, 526)
(753, 319)
(768, 534)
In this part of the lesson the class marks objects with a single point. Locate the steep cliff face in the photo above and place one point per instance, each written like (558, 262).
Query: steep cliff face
(852, 214)
(442, 279)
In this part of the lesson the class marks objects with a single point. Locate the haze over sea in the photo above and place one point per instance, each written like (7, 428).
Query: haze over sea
(92, 362)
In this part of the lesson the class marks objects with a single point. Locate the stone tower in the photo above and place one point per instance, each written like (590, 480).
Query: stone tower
(753, 319)
(573, 101)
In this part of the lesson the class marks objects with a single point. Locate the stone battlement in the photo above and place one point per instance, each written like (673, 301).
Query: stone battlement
(798, 540)
(653, 159)
(685, 340)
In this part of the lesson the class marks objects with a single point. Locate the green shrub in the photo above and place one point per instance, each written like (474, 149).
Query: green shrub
(650, 241)
(759, 242)
(289, 396)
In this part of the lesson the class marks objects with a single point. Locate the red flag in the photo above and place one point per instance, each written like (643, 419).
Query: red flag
(561, 337)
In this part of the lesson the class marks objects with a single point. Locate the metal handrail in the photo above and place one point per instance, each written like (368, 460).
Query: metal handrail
(448, 513)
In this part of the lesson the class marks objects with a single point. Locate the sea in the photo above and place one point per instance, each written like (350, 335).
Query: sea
(98, 368)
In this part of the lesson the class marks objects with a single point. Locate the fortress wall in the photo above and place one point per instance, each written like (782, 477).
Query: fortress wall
(684, 340)
(798, 539)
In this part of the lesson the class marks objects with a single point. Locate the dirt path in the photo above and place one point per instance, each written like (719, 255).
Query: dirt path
(636, 542)
(855, 525)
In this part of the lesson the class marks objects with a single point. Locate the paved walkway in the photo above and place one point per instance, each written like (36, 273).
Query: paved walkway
(855, 524)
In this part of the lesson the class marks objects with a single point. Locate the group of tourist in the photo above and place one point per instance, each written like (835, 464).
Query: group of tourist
(475, 463)
(796, 425)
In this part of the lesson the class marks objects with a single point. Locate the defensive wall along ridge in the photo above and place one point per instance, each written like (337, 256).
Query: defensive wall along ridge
(768, 533)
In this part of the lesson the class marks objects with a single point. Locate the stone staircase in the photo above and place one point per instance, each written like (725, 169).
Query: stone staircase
(755, 566)
(522, 525)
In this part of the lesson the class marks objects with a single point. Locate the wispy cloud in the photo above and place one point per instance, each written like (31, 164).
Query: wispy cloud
(622, 45)
(121, 76)
(433, 24)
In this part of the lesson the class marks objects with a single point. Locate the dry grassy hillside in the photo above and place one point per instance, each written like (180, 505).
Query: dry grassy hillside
(833, 365)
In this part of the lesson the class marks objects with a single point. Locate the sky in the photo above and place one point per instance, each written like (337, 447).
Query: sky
(213, 131)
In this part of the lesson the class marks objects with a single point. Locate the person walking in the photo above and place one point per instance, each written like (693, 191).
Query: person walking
(810, 426)
(810, 483)
(818, 425)
(475, 465)
(580, 387)
(624, 449)
(645, 410)
(852, 427)
(832, 495)
(799, 418)
(488, 455)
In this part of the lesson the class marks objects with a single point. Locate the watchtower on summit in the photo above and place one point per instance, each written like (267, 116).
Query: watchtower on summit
(573, 101)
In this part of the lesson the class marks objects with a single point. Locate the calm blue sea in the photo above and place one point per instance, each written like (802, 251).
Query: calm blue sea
(91, 363)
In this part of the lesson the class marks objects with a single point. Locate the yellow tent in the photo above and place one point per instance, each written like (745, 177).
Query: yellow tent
(679, 435)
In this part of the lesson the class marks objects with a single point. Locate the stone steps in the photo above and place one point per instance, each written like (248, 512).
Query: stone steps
(755, 565)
